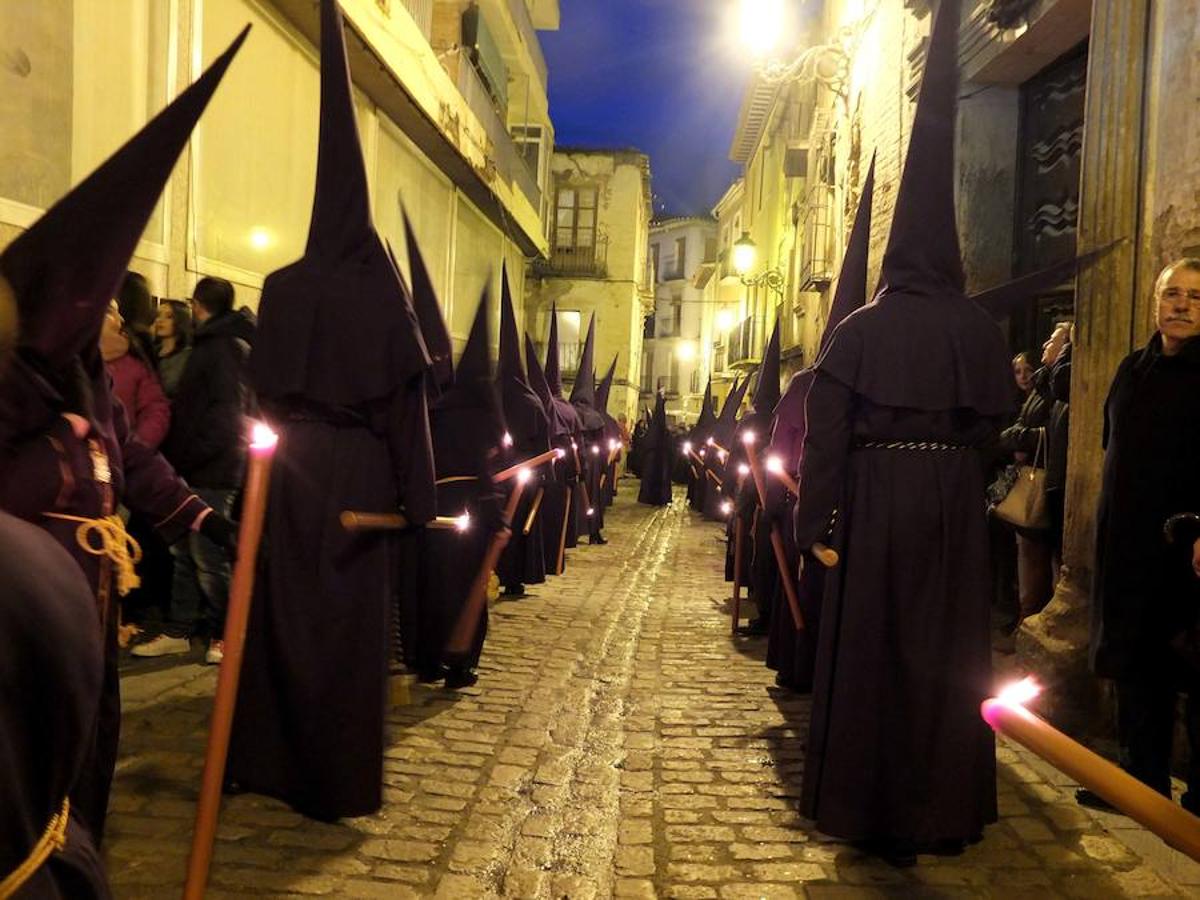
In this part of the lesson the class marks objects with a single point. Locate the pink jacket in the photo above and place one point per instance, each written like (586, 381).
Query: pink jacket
(147, 407)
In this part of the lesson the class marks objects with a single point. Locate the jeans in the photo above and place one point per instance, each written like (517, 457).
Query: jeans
(200, 584)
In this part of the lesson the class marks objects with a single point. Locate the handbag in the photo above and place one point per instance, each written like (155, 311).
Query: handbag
(1025, 506)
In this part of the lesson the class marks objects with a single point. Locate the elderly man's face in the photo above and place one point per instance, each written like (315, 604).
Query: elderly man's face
(1177, 313)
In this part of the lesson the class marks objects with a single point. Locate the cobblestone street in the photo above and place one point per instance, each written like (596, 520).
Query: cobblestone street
(619, 743)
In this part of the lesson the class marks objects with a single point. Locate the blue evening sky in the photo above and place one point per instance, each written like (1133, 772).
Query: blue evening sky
(661, 76)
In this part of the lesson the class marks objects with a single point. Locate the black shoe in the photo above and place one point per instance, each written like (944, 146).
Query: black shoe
(598, 540)
(1092, 800)
(460, 677)
(515, 591)
(428, 676)
(898, 854)
(756, 628)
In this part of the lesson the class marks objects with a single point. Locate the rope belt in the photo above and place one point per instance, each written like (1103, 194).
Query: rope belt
(115, 544)
(920, 446)
(53, 840)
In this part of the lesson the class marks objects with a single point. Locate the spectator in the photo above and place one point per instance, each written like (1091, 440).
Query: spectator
(133, 381)
(137, 310)
(1144, 591)
(1058, 371)
(1023, 370)
(207, 446)
(173, 332)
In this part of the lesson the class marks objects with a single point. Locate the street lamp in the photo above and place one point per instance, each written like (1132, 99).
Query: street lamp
(745, 253)
(763, 22)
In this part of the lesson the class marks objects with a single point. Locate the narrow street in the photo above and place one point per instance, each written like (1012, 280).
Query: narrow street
(617, 744)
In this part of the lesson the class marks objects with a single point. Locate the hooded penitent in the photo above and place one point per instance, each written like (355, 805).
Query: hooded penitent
(340, 368)
(721, 457)
(556, 499)
(697, 481)
(583, 398)
(569, 415)
(429, 313)
(523, 560)
(611, 445)
(905, 391)
(63, 272)
(792, 653)
(655, 489)
(468, 426)
(51, 670)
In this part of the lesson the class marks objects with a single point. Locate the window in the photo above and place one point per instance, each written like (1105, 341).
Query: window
(676, 315)
(654, 270)
(570, 329)
(680, 256)
(575, 218)
(529, 141)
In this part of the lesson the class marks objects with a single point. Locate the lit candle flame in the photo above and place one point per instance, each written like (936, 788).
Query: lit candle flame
(591, 511)
(507, 440)
(749, 438)
(612, 445)
(743, 469)
(722, 455)
(574, 446)
(687, 446)
(709, 442)
(774, 465)
(560, 453)
(1019, 692)
(262, 437)
(463, 522)
(726, 508)
(524, 475)
(595, 449)
(702, 453)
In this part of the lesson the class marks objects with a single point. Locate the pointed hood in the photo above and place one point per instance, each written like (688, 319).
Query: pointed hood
(1004, 299)
(923, 255)
(523, 410)
(475, 364)
(766, 393)
(341, 214)
(707, 418)
(66, 268)
(428, 311)
(604, 386)
(584, 389)
(850, 294)
(727, 421)
(552, 369)
(537, 377)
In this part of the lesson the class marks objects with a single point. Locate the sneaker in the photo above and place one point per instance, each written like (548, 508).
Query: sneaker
(163, 645)
(215, 653)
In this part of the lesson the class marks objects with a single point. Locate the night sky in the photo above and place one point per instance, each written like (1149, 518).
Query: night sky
(661, 76)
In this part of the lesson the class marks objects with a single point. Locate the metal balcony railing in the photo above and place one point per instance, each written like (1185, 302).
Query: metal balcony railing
(816, 250)
(520, 14)
(566, 262)
(422, 13)
(568, 355)
(510, 163)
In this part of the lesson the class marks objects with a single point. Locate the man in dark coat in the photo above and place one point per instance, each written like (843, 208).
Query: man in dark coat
(1145, 595)
(467, 426)
(907, 390)
(655, 489)
(792, 652)
(559, 477)
(523, 560)
(339, 367)
(67, 455)
(207, 446)
(583, 398)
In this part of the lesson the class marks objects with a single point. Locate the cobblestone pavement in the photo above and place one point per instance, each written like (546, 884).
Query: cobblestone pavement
(619, 743)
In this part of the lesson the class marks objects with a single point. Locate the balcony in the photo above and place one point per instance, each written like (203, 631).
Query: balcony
(568, 355)
(422, 13)
(816, 251)
(510, 163)
(528, 34)
(575, 262)
(740, 345)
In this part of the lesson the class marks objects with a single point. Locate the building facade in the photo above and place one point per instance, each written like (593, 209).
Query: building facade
(452, 110)
(598, 264)
(674, 358)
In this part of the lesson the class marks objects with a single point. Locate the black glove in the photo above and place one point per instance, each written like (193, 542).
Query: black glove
(220, 531)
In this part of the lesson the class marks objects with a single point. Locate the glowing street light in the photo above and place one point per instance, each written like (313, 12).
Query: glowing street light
(725, 321)
(745, 254)
(761, 24)
(685, 351)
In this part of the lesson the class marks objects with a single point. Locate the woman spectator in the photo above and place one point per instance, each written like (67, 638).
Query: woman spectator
(137, 310)
(173, 334)
(133, 381)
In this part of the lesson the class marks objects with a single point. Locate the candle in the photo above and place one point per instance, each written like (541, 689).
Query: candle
(263, 443)
(1007, 715)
